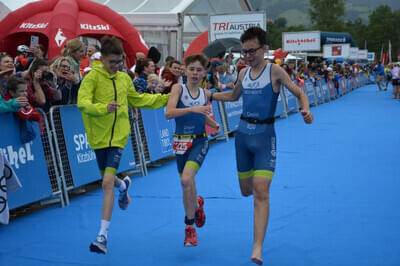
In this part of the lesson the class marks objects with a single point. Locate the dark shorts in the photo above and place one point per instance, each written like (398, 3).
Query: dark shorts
(108, 158)
(256, 154)
(194, 157)
(395, 82)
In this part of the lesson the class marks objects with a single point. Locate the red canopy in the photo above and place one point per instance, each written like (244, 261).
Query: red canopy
(198, 44)
(57, 21)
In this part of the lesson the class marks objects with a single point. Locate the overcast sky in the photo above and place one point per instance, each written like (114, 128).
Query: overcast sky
(15, 4)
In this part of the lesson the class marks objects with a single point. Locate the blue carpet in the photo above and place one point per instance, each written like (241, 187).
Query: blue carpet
(333, 202)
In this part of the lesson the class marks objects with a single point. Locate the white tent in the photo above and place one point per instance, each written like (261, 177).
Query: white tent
(171, 25)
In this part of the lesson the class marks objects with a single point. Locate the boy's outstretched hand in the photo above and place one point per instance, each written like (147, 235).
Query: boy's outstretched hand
(307, 116)
(112, 107)
(216, 130)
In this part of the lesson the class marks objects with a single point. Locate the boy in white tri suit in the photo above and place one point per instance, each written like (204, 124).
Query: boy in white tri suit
(255, 141)
(188, 105)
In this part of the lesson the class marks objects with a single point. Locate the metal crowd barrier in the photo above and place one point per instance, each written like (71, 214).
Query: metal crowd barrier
(62, 159)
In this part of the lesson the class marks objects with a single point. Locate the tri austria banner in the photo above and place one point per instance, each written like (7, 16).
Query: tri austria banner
(233, 25)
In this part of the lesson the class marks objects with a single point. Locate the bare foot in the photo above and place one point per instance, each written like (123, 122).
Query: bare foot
(257, 260)
(256, 256)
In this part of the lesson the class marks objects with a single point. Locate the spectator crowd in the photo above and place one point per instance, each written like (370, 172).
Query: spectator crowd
(30, 81)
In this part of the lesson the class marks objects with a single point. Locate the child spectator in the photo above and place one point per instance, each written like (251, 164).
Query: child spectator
(155, 85)
(18, 90)
(6, 70)
(12, 105)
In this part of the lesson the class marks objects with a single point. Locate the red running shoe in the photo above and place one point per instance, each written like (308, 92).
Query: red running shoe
(190, 237)
(199, 215)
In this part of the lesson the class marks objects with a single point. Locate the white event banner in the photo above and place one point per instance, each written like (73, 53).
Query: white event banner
(301, 41)
(336, 50)
(353, 53)
(363, 54)
(233, 25)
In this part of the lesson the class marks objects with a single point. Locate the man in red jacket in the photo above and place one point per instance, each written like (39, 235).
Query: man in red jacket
(171, 73)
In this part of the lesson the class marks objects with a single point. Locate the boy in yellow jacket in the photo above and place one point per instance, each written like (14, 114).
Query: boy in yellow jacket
(104, 97)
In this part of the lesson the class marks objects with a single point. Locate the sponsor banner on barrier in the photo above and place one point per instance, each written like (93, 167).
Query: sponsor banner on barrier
(28, 161)
(309, 86)
(82, 159)
(279, 106)
(325, 90)
(290, 100)
(159, 133)
(233, 111)
(319, 91)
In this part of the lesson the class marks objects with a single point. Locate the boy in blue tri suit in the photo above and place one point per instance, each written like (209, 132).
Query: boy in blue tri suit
(188, 105)
(255, 141)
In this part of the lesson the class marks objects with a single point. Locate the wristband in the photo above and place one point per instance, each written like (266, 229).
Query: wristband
(211, 96)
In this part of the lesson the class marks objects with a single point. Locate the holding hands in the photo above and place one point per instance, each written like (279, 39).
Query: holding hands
(205, 110)
(307, 116)
(216, 131)
(112, 107)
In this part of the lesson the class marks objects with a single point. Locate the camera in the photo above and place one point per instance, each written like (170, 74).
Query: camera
(47, 76)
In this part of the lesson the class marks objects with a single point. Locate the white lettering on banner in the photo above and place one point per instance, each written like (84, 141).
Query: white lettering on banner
(236, 104)
(336, 39)
(27, 25)
(164, 138)
(235, 113)
(235, 26)
(84, 157)
(20, 156)
(84, 153)
(95, 27)
(81, 140)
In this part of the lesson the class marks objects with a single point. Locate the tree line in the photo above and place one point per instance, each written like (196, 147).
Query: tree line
(328, 15)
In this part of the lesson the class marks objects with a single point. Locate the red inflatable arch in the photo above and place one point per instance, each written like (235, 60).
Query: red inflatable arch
(197, 45)
(57, 21)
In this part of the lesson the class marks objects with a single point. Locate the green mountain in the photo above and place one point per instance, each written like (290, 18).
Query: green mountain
(295, 11)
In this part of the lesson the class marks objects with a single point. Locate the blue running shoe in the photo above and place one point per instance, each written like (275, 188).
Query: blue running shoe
(99, 245)
(123, 198)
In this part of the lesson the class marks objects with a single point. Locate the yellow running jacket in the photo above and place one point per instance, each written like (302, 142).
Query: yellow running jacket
(97, 90)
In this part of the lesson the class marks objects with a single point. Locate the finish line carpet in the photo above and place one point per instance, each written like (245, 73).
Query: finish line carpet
(334, 201)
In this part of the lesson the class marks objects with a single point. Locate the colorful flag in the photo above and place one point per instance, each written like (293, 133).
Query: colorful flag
(381, 58)
(390, 53)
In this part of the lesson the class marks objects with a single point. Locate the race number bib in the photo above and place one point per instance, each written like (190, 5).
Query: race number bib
(182, 145)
